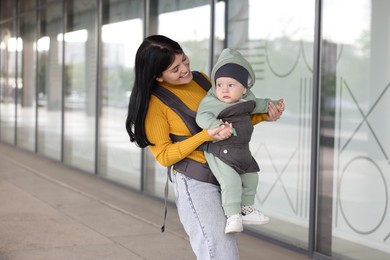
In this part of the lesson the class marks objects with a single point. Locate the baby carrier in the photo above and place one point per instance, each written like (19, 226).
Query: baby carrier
(201, 171)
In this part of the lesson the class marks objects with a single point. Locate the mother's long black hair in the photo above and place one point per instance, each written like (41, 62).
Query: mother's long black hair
(155, 55)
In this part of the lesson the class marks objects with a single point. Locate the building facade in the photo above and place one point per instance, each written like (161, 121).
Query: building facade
(66, 72)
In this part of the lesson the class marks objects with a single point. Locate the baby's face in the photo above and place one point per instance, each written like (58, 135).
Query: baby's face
(229, 90)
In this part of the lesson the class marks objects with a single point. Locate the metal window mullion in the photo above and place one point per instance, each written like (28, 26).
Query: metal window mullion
(64, 20)
(16, 28)
(98, 108)
(212, 35)
(315, 127)
(37, 17)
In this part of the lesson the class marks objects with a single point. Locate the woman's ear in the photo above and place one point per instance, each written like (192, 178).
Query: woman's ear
(244, 92)
(159, 79)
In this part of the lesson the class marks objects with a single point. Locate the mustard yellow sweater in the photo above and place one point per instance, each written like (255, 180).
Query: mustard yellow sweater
(161, 121)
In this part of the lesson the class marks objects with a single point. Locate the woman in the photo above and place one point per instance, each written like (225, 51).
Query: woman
(161, 61)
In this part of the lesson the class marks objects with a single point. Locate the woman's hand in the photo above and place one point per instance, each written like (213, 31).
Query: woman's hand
(275, 112)
(221, 132)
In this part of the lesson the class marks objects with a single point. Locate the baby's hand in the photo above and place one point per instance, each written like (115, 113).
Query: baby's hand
(227, 131)
(224, 131)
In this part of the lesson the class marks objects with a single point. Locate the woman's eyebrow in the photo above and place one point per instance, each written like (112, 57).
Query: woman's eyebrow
(174, 68)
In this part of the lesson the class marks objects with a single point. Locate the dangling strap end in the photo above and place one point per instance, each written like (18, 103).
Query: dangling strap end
(166, 197)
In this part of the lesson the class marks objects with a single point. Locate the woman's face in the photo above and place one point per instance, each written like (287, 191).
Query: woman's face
(178, 73)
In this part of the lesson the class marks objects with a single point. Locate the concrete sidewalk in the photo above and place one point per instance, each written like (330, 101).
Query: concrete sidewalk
(50, 211)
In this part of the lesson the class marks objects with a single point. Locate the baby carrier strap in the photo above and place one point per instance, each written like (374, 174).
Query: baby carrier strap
(199, 171)
(209, 147)
(177, 105)
(201, 80)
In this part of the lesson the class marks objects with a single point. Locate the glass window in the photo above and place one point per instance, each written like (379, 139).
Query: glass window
(7, 9)
(49, 78)
(26, 5)
(219, 29)
(194, 38)
(122, 33)
(9, 46)
(80, 72)
(26, 96)
(278, 42)
(355, 128)
(43, 2)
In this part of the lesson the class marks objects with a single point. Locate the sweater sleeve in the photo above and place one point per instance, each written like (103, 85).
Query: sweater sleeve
(257, 118)
(261, 103)
(206, 116)
(160, 122)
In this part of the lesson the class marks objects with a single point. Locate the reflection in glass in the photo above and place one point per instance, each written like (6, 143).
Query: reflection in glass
(219, 29)
(49, 78)
(26, 5)
(80, 73)
(7, 8)
(26, 71)
(358, 48)
(8, 83)
(195, 44)
(119, 160)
